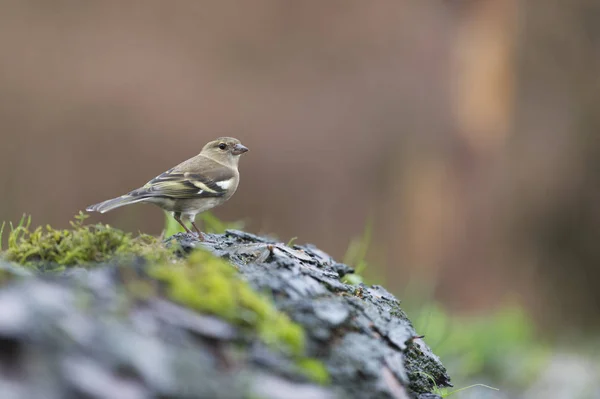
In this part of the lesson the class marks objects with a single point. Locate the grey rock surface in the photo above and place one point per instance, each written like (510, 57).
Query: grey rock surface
(76, 335)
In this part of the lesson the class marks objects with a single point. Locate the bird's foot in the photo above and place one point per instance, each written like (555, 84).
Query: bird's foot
(204, 237)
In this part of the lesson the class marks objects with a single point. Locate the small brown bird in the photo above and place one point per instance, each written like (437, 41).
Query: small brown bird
(194, 186)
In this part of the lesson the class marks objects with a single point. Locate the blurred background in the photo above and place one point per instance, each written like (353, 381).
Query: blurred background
(463, 132)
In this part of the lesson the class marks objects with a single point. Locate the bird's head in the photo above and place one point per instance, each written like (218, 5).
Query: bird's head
(225, 150)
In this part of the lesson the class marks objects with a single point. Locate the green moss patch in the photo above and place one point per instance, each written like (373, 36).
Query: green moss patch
(210, 285)
(81, 245)
(314, 370)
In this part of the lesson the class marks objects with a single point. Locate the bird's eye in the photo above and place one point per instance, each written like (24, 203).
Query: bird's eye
(222, 146)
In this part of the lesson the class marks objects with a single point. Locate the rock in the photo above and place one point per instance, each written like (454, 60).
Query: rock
(79, 334)
(429, 396)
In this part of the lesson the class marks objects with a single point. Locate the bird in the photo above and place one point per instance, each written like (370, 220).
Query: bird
(194, 186)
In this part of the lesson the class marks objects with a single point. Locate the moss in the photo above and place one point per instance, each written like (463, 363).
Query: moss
(209, 284)
(83, 244)
(314, 370)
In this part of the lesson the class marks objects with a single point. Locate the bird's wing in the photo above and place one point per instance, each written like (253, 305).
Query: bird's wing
(174, 183)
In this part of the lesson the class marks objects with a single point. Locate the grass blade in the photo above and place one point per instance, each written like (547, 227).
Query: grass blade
(1, 234)
(469, 387)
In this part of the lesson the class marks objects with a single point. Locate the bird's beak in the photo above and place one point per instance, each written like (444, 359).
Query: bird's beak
(239, 149)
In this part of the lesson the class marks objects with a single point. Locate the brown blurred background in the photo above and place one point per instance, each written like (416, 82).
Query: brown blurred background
(467, 130)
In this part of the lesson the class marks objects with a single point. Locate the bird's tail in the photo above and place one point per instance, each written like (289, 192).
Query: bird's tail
(111, 204)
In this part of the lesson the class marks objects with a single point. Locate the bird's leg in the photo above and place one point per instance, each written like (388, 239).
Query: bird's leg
(177, 216)
(200, 236)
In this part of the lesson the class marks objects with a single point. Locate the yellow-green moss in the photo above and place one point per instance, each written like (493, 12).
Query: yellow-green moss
(83, 244)
(314, 370)
(210, 285)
